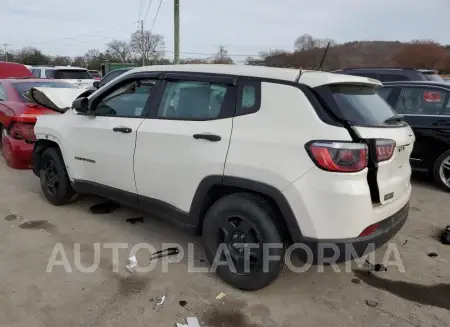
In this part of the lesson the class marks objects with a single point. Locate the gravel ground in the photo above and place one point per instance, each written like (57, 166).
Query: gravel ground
(30, 296)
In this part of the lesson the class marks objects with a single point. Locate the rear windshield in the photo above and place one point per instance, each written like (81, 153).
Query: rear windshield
(360, 104)
(433, 77)
(68, 74)
(23, 87)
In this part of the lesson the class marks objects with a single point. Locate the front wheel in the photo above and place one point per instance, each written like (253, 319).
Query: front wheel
(55, 182)
(441, 170)
(242, 241)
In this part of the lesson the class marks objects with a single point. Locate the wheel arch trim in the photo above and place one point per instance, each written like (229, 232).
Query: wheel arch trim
(287, 214)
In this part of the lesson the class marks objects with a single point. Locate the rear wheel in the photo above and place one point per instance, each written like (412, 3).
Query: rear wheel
(441, 170)
(55, 182)
(237, 230)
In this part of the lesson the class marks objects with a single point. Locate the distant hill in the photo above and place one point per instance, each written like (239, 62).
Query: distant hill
(364, 53)
(419, 54)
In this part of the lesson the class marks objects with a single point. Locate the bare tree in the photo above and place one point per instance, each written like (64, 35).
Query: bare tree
(150, 47)
(306, 42)
(120, 50)
(222, 57)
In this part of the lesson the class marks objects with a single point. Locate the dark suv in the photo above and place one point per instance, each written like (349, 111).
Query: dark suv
(393, 74)
(425, 106)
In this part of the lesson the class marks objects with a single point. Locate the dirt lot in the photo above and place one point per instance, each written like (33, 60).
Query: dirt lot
(30, 296)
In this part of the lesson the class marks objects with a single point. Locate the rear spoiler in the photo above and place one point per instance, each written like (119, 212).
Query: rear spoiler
(58, 99)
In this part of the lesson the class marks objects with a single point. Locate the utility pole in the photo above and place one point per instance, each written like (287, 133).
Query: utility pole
(142, 42)
(176, 25)
(6, 51)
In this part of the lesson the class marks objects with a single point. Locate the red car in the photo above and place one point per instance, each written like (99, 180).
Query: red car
(18, 116)
(12, 69)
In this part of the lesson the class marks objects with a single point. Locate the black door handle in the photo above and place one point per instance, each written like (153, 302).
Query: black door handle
(209, 137)
(122, 129)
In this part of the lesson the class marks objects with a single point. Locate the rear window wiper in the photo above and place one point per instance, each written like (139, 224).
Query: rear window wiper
(395, 119)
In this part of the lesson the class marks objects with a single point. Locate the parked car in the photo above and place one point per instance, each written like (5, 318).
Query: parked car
(12, 69)
(244, 154)
(78, 76)
(425, 106)
(110, 76)
(385, 74)
(95, 75)
(17, 117)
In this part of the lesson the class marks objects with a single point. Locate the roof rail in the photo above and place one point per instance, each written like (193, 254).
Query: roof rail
(361, 68)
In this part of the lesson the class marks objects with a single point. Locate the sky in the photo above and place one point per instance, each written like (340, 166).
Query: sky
(244, 27)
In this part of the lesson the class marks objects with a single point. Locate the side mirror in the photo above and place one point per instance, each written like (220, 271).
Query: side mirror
(96, 84)
(81, 105)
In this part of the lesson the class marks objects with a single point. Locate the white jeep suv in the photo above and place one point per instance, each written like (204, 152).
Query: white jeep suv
(243, 154)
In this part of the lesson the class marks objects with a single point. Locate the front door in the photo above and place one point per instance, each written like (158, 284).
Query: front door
(185, 140)
(103, 145)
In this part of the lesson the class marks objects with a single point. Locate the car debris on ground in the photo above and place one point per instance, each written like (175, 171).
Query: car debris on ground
(377, 267)
(132, 263)
(103, 208)
(135, 220)
(220, 296)
(445, 237)
(191, 322)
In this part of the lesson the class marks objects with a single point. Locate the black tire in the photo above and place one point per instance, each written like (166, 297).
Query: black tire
(256, 212)
(436, 171)
(55, 182)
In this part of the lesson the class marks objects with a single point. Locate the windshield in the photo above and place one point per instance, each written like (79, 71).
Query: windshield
(22, 88)
(71, 74)
(433, 77)
(360, 104)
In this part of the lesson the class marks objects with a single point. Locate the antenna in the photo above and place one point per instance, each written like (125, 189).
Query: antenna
(324, 55)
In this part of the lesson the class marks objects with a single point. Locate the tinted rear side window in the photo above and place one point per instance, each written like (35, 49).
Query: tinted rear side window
(358, 104)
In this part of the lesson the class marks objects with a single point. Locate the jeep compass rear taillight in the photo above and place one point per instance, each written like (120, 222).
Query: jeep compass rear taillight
(385, 149)
(336, 156)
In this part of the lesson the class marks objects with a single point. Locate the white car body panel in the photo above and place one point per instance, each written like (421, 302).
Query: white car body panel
(267, 146)
(170, 163)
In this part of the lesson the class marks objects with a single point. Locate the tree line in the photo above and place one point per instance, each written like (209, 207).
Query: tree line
(149, 49)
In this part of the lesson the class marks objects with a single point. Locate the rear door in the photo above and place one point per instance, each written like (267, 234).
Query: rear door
(390, 142)
(186, 138)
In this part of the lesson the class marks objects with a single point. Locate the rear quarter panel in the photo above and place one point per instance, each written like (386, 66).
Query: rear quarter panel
(269, 146)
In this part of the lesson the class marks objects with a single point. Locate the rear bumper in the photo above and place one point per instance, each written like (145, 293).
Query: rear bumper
(352, 248)
(17, 153)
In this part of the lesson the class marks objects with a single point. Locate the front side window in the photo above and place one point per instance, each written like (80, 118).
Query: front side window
(127, 100)
(420, 101)
(192, 100)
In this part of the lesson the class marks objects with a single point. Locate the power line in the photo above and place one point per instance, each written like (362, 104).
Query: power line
(140, 9)
(148, 9)
(156, 16)
(80, 36)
